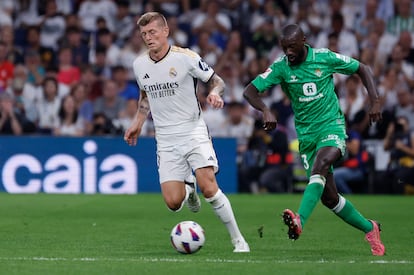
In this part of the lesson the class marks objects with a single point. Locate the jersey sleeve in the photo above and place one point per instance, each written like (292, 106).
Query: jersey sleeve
(198, 67)
(271, 77)
(343, 64)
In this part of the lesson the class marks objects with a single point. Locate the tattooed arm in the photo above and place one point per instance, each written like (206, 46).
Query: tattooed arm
(134, 130)
(215, 87)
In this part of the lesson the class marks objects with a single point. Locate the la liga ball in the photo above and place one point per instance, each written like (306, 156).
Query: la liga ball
(187, 237)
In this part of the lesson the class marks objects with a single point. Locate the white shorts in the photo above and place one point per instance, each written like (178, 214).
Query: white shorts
(177, 162)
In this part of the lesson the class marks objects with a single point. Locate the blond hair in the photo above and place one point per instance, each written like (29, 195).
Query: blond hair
(149, 17)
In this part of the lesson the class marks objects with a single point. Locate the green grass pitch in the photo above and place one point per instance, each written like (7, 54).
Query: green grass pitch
(129, 234)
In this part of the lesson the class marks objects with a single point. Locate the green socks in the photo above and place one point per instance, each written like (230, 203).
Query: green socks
(311, 197)
(344, 209)
(347, 212)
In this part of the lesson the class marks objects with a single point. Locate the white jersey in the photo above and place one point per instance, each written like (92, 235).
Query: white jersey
(170, 85)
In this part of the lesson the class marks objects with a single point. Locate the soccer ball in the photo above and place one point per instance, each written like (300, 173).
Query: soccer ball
(187, 237)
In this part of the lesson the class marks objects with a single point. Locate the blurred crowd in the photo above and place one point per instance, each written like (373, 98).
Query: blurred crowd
(66, 65)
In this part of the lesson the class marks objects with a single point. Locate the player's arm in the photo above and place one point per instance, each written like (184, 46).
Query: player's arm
(368, 81)
(134, 130)
(251, 94)
(215, 86)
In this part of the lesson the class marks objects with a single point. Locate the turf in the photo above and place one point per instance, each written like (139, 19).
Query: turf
(114, 234)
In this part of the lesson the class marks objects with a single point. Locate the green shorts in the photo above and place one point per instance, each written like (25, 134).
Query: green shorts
(310, 144)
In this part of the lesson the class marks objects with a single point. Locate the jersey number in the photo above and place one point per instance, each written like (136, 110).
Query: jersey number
(305, 162)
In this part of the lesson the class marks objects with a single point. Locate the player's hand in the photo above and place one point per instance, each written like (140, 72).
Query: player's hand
(375, 113)
(269, 120)
(131, 135)
(215, 101)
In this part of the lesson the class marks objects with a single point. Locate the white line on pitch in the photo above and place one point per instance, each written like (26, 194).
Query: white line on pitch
(187, 259)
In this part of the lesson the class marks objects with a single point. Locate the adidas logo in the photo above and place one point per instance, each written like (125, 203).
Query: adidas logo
(146, 76)
(210, 158)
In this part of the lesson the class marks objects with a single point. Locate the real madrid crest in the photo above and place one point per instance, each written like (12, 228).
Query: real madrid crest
(173, 72)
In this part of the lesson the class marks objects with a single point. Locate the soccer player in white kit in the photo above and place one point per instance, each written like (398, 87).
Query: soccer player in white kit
(167, 76)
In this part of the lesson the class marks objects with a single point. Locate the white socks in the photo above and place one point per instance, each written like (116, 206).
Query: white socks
(222, 207)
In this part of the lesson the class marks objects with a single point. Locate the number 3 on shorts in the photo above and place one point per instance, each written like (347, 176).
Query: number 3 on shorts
(305, 161)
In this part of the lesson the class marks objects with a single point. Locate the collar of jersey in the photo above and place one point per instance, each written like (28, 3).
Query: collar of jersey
(309, 57)
(156, 61)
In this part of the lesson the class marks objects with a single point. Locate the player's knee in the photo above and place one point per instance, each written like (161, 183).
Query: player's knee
(321, 166)
(331, 201)
(173, 204)
(209, 191)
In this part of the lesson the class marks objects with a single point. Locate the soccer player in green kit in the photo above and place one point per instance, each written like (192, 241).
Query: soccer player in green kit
(306, 77)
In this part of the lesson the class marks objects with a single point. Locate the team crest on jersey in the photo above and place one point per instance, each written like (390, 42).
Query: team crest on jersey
(266, 73)
(173, 72)
(203, 65)
(318, 72)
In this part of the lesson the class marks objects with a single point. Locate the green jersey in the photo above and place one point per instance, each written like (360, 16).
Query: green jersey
(310, 87)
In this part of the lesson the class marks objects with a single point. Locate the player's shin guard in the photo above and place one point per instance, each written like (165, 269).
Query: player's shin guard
(347, 212)
(222, 207)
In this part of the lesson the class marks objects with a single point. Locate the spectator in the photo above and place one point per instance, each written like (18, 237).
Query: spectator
(70, 123)
(6, 68)
(405, 107)
(177, 36)
(130, 51)
(399, 140)
(102, 125)
(236, 52)
(213, 20)
(14, 53)
(80, 50)
(32, 44)
(110, 103)
(123, 23)
(90, 10)
(213, 117)
(105, 40)
(24, 93)
(405, 40)
(68, 74)
(206, 48)
(36, 70)
(387, 88)
(352, 167)
(237, 124)
(265, 39)
(100, 66)
(265, 164)
(231, 74)
(365, 22)
(92, 83)
(126, 89)
(347, 42)
(354, 99)
(52, 26)
(48, 106)
(83, 105)
(12, 121)
(403, 20)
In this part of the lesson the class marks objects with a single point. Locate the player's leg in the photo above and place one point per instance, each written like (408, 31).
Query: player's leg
(324, 158)
(319, 167)
(174, 194)
(344, 209)
(173, 170)
(221, 205)
(203, 161)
